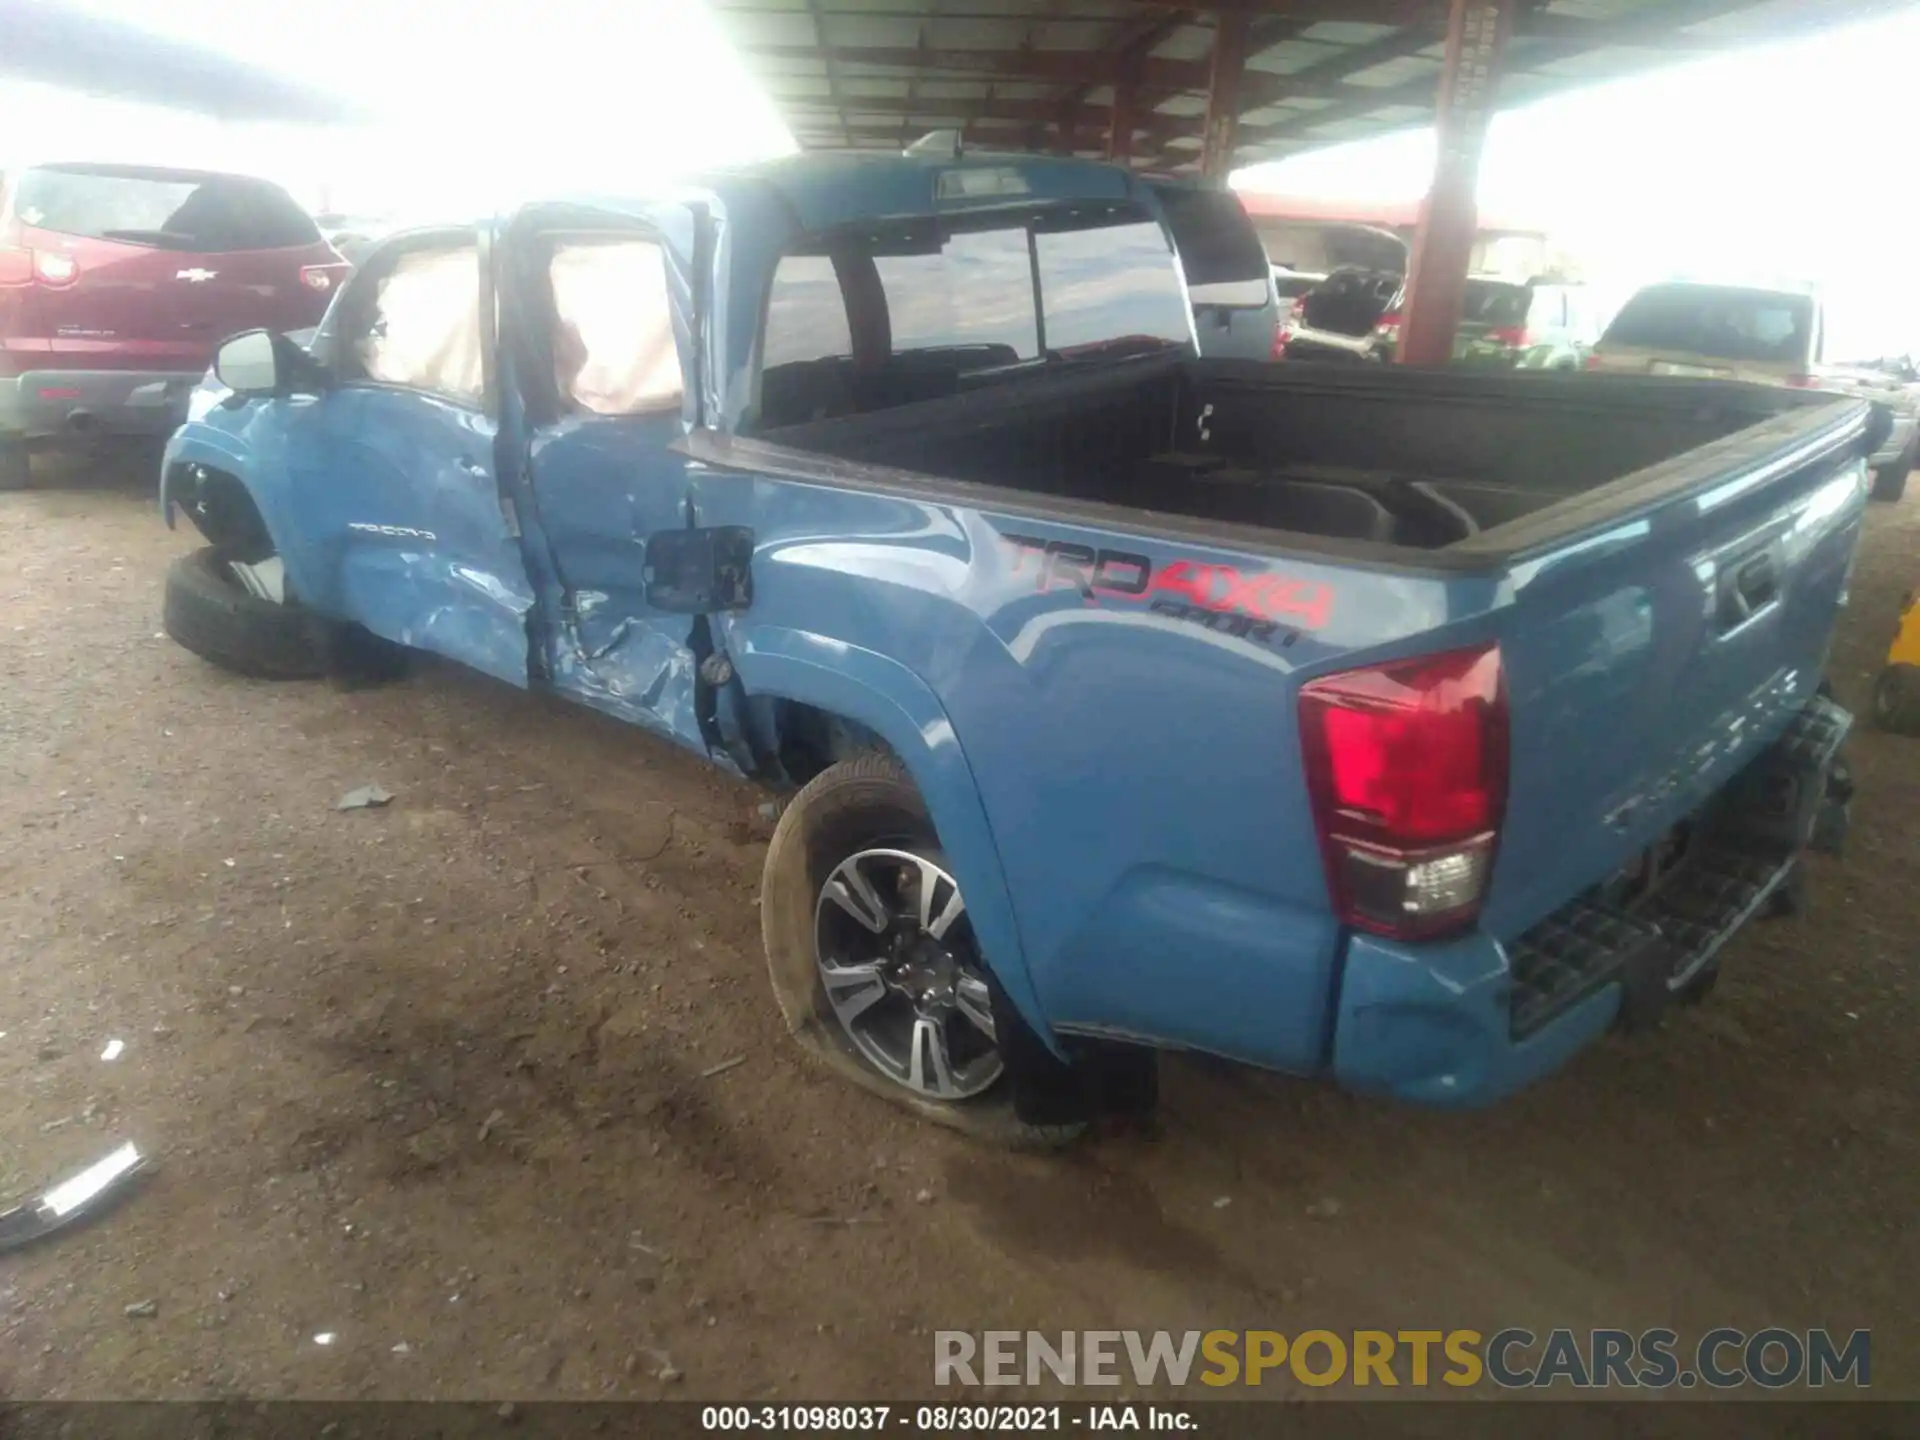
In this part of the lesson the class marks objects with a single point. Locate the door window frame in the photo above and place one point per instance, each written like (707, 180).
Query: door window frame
(341, 325)
(525, 299)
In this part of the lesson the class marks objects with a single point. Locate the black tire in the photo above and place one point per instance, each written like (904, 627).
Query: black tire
(15, 471)
(1896, 700)
(208, 612)
(860, 803)
(1890, 481)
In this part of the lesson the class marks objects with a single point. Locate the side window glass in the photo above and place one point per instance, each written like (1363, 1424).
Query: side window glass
(424, 327)
(613, 346)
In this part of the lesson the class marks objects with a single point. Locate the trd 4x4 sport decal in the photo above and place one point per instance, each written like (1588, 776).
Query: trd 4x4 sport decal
(1262, 607)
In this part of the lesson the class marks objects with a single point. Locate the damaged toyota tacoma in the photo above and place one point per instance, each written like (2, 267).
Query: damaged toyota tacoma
(1408, 729)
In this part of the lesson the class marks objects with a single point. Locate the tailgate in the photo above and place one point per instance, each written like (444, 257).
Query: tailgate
(1658, 651)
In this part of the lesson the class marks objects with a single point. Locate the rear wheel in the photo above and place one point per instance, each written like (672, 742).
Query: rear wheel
(1896, 700)
(15, 472)
(873, 958)
(237, 616)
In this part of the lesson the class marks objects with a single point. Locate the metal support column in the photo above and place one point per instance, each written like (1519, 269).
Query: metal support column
(1223, 92)
(1126, 94)
(1477, 33)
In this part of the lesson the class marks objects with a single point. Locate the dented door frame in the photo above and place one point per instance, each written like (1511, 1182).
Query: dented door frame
(641, 651)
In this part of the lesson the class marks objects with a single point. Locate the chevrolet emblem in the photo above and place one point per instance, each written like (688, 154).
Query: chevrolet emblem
(195, 276)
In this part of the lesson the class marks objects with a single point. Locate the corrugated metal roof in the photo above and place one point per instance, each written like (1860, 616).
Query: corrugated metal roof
(1041, 74)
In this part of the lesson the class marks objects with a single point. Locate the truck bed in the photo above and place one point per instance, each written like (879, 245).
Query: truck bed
(1396, 458)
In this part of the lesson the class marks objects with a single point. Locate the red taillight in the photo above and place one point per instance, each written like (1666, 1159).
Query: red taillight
(1594, 362)
(1804, 382)
(322, 277)
(1407, 764)
(1512, 336)
(55, 269)
(1388, 325)
(36, 267)
(1282, 333)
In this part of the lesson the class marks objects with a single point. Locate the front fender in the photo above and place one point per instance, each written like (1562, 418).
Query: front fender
(196, 443)
(898, 706)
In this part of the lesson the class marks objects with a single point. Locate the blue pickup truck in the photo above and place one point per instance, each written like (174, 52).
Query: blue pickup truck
(1408, 729)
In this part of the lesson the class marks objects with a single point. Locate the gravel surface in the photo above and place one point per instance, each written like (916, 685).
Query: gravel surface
(440, 1096)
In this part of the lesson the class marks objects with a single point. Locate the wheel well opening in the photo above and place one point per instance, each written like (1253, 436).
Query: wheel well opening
(802, 740)
(221, 509)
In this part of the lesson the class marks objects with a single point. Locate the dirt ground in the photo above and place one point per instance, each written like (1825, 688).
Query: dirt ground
(435, 1080)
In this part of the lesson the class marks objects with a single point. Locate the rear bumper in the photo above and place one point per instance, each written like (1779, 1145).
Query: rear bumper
(1470, 1021)
(41, 404)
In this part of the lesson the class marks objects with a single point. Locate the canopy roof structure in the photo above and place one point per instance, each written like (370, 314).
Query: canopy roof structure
(1131, 78)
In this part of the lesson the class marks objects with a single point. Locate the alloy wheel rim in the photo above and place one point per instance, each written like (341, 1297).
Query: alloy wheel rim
(896, 957)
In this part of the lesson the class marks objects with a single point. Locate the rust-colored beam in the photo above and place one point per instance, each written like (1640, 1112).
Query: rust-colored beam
(1370, 12)
(1443, 245)
(1223, 93)
(1065, 67)
(1120, 119)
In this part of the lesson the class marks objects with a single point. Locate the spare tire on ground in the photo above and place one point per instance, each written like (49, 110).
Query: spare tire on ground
(209, 612)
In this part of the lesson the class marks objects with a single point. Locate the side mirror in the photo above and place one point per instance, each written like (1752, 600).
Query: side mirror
(261, 362)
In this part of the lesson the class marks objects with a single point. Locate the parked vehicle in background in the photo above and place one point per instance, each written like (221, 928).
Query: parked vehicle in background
(1126, 698)
(117, 282)
(1335, 320)
(1236, 314)
(1293, 285)
(1509, 324)
(353, 235)
(1766, 336)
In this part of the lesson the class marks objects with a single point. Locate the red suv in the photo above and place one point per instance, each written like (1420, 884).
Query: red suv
(118, 281)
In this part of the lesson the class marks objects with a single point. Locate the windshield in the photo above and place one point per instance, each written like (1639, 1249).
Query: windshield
(902, 312)
(166, 209)
(1224, 260)
(1758, 326)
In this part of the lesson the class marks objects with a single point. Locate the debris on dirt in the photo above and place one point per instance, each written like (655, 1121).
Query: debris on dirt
(769, 811)
(842, 1219)
(113, 1049)
(52, 1125)
(722, 1067)
(486, 1125)
(923, 1197)
(1222, 1201)
(72, 1199)
(1324, 1208)
(402, 1349)
(365, 797)
(142, 1310)
(507, 1410)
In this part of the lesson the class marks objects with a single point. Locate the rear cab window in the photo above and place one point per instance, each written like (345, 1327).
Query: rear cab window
(1721, 322)
(892, 314)
(1495, 304)
(193, 211)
